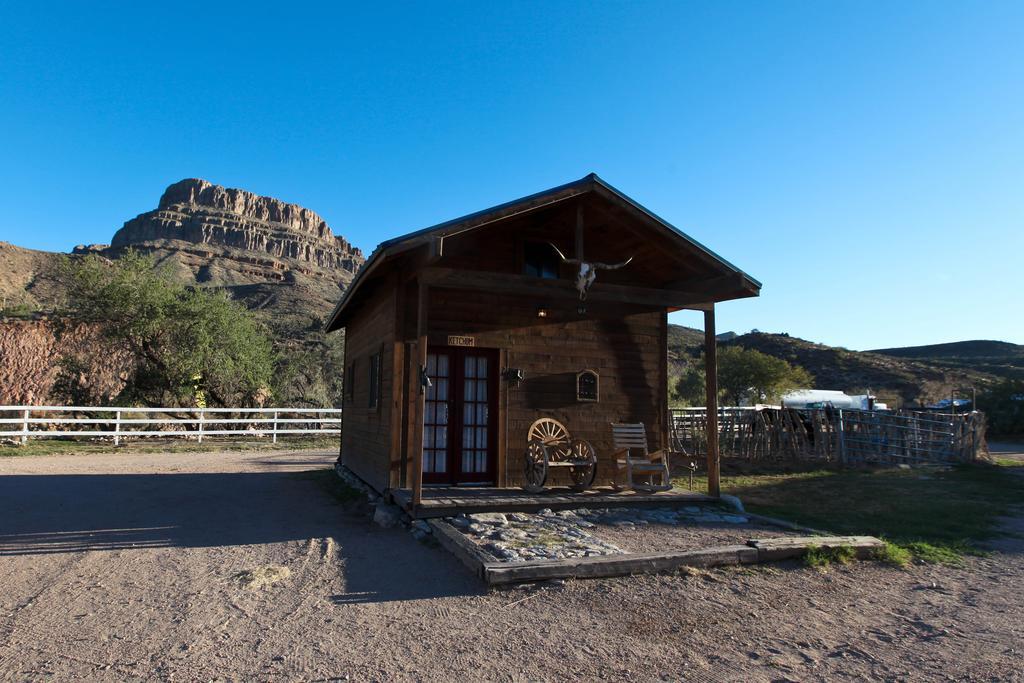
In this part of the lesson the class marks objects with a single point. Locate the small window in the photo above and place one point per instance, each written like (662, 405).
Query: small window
(350, 381)
(374, 380)
(587, 386)
(540, 260)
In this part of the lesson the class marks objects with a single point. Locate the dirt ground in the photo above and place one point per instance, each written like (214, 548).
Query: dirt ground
(661, 537)
(231, 566)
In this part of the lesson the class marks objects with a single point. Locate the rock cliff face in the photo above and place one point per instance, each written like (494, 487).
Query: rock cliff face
(274, 257)
(198, 212)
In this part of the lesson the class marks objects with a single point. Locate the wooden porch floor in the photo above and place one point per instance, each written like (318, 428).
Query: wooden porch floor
(450, 500)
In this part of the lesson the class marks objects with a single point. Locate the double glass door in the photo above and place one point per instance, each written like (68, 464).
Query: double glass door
(460, 421)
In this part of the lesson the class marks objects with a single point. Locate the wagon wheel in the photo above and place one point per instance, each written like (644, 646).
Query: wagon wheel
(549, 431)
(535, 466)
(583, 473)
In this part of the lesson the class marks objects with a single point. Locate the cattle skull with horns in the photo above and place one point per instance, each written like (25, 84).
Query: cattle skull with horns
(588, 270)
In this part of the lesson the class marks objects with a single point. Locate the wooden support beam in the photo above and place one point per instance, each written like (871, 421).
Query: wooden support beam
(421, 400)
(711, 388)
(397, 412)
(398, 394)
(733, 283)
(663, 409)
(511, 283)
(578, 253)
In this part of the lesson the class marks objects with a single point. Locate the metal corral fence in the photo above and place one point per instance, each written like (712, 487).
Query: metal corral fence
(833, 435)
(121, 423)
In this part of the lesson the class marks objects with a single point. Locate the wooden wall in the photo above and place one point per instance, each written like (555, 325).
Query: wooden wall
(626, 346)
(366, 438)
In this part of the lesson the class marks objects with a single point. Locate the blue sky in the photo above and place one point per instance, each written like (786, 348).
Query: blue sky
(864, 160)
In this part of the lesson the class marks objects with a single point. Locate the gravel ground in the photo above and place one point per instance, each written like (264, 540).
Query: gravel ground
(230, 566)
(521, 537)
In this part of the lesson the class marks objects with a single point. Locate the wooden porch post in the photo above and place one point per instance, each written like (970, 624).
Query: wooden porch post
(711, 387)
(421, 399)
(663, 409)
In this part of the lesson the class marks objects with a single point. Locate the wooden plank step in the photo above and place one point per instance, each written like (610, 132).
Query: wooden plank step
(770, 549)
(497, 573)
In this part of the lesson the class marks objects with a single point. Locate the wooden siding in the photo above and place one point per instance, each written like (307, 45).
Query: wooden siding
(623, 344)
(366, 437)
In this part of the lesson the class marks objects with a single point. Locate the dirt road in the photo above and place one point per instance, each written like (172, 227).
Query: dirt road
(122, 567)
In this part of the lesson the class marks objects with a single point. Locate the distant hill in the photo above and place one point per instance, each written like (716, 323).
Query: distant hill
(978, 348)
(997, 358)
(905, 376)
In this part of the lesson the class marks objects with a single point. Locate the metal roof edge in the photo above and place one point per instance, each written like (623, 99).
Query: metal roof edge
(679, 233)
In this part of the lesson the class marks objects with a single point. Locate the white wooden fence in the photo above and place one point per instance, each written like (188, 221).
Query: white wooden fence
(120, 423)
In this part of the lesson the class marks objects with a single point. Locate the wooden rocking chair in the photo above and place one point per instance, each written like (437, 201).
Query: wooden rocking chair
(629, 438)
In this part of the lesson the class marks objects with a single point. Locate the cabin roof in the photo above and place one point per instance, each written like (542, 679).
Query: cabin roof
(590, 183)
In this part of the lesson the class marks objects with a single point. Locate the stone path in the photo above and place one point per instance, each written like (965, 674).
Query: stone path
(517, 537)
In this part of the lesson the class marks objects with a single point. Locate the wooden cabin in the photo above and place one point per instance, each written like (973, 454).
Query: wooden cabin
(489, 309)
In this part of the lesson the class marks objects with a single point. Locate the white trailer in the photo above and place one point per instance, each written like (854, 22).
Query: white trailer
(822, 398)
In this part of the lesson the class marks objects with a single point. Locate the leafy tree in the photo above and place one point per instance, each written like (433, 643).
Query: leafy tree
(747, 374)
(1003, 405)
(190, 345)
(311, 374)
(688, 387)
(742, 375)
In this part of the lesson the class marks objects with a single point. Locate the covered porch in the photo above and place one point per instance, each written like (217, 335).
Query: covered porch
(447, 501)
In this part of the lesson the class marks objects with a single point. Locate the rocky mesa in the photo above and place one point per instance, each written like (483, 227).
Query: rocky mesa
(198, 212)
(271, 255)
(281, 260)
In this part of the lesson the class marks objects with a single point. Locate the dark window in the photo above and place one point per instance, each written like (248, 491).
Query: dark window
(374, 380)
(540, 260)
(350, 380)
(587, 383)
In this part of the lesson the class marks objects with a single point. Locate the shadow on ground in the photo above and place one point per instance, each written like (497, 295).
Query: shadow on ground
(68, 513)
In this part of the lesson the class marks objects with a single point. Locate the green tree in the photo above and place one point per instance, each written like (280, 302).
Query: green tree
(747, 374)
(190, 346)
(311, 374)
(1003, 405)
(688, 388)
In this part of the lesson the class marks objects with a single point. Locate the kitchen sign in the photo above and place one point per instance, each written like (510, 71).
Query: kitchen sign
(461, 341)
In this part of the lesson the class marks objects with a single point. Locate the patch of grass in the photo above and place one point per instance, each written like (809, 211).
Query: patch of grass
(1009, 462)
(937, 514)
(72, 446)
(260, 577)
(940, 553)
(820, 558)
(894, 555)
(22, 310)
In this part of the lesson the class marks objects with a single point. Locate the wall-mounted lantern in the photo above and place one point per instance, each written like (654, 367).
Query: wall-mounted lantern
(514, 376)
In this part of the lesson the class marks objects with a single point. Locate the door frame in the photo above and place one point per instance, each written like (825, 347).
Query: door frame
(453, 475)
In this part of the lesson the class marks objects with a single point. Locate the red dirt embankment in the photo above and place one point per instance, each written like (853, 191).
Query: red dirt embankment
(31, 352)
